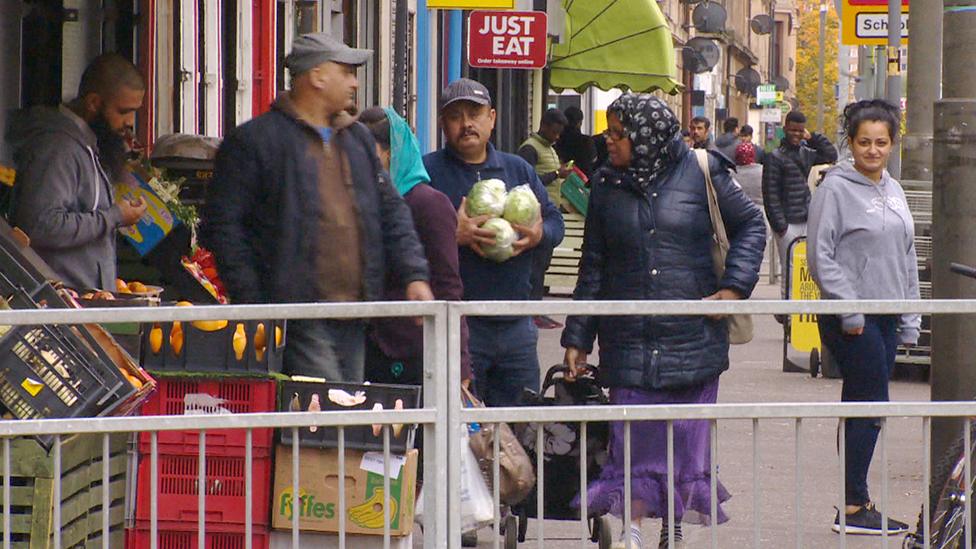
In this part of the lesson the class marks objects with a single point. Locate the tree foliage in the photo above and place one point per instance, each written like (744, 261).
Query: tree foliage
(807, 67)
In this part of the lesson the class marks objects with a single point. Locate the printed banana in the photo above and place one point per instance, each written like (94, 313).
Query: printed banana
(369, 514)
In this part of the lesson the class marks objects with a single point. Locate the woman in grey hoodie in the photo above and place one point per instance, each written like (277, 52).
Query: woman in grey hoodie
(861, 246)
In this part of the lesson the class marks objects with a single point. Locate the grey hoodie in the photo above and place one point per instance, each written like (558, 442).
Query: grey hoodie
(63, 196)
(861, 244)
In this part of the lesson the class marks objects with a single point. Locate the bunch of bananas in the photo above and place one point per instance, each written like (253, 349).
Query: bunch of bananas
(369, 514)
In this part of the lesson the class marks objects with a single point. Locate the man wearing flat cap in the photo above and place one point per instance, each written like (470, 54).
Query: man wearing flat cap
(503, 350)
(301, 210)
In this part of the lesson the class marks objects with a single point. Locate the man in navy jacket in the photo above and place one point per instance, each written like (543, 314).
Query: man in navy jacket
(503, 349)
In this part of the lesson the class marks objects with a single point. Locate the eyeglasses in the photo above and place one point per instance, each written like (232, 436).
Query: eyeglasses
(616, 135)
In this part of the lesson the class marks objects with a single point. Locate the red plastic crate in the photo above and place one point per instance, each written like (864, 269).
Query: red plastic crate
(180, 536)
(235, 395)
(225, 485)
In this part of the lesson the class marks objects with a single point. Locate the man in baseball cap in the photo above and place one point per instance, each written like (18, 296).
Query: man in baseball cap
(300, 210)
(503, 350)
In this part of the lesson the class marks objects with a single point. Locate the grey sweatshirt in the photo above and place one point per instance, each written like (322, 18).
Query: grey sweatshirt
(63, 196)
(861, 244)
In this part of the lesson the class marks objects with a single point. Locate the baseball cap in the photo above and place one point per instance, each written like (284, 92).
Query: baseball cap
(465, 89)
(311, 50)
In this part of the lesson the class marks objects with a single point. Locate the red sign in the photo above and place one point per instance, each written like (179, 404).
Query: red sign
(507, 39)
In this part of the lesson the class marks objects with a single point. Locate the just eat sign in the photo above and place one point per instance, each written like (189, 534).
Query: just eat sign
(507, 39)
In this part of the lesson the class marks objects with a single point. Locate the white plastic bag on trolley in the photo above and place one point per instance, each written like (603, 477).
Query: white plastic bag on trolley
(477, 509)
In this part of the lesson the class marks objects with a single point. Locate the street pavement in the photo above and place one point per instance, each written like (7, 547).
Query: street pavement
(756, 375)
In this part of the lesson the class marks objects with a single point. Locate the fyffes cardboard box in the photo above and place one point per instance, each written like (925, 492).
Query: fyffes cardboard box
(318, 501)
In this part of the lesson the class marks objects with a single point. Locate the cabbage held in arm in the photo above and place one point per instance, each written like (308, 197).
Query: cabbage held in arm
(487, 197)
(522, 207)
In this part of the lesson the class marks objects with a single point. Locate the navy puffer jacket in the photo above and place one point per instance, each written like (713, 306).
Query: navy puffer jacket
(655, 245)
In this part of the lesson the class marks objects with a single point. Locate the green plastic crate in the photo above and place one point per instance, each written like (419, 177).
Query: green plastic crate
(575, 192)
(32, 492)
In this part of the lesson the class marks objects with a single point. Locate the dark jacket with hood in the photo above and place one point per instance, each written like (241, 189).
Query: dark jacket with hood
(786, 195)
(63, 196)
(263, 206)
(655, 245)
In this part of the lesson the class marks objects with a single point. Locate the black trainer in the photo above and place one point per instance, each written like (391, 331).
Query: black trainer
(867, 521)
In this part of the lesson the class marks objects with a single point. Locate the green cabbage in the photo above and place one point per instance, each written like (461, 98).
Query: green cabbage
(487, 197)
(521, 206)
(505, 236)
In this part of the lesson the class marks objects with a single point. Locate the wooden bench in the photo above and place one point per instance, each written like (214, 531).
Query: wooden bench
(564, 269)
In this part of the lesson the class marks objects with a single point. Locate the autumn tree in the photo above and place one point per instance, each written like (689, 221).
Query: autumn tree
(807, 68)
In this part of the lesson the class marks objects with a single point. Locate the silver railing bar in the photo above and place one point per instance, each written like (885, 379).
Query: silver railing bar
(748, 411)
(296, 502)
(342, 488)
(842, 453)
(713, 482)
(967, 487)
(6, 493)
(926, 479)
(540, 485)
(584, 513)
(387, 516)
(496, 484)
(884, 482)
(56, 499)
(798, 488)
(755, 484)
(671, 482)
(248, 487)
(106, 493)
(627, 485)
(202, 492)
(154, 491)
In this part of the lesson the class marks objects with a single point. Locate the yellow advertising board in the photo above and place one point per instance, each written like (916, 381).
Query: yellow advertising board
(471, 4)
(804, 335)
(865, 22)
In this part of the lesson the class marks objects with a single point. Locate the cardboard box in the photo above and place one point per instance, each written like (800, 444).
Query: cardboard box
(282, 540)
(155, 224)
(319, 491)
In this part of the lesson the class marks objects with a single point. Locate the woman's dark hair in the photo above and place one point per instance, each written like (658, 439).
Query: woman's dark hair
(871, 110)
(379, 124)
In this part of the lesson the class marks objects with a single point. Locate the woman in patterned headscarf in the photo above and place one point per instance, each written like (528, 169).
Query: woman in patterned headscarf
(648, 236)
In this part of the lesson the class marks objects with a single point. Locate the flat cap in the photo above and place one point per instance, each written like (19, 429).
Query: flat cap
(311, 50)
(465, 89)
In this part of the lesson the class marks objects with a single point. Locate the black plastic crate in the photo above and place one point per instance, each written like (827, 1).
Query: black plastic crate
(56, 371)
(21, 265)
(356, 438)
(213, 351)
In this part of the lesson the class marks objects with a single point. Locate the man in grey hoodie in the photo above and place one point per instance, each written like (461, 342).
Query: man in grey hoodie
(68, 160)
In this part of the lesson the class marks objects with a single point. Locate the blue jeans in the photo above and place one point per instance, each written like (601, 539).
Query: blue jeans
(866, 363)
(333, 349)
(504, 358)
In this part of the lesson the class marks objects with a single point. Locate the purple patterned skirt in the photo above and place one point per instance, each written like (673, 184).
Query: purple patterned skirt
(649, 461)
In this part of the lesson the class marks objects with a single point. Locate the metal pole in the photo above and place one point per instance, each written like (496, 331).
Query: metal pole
(954, 207)
(820, 67)
(880, 72)
(426, 95)
(454, 46)
(924, 88)
(893, 85)
(400, 61)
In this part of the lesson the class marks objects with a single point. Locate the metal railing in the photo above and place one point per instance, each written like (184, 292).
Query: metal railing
(443, 415)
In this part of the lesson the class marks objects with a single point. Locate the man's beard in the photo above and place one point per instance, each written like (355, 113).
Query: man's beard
(112, 149)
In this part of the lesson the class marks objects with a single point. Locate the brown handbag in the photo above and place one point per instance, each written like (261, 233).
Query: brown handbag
(740, 326)
(515, 470)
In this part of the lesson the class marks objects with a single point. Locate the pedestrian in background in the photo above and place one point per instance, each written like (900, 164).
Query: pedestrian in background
(574, 145)
(729, 140)
(786, 195)
(748, 173)
(746, 136)
(540, 152)
(862, 246)
(394, 348)
(700, 131)
(648, 236)
(299, 211)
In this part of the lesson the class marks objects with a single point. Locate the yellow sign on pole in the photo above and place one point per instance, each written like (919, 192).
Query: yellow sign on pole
(471, 4)
(865, 23)
(804, 334)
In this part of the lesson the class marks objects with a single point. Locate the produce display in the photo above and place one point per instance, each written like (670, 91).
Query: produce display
(504, 208)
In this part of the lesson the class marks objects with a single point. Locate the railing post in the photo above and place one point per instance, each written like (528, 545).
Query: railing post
(453, 409)
(436, 436)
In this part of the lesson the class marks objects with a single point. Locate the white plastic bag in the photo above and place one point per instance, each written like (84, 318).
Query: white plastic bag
(477, 508)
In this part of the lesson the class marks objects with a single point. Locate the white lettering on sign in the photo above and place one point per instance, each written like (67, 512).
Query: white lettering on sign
(516, 45)
(511, 25)
(875, 25)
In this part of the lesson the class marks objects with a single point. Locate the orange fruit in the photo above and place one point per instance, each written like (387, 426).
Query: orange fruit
(137, 287)
(121, 287)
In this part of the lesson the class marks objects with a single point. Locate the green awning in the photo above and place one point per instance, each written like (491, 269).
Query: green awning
(614, 44)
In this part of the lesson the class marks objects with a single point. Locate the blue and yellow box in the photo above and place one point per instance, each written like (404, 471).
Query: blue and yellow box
(157, 222)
